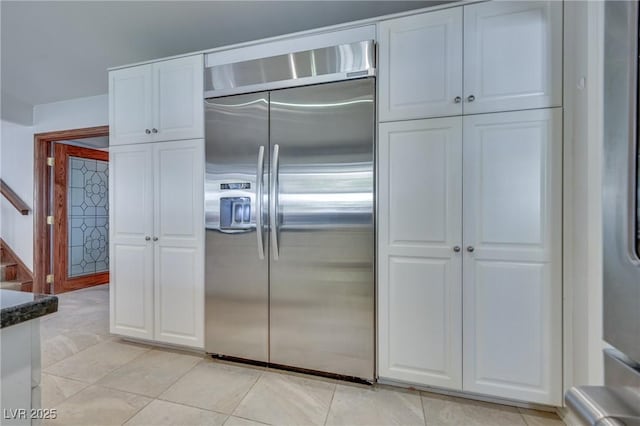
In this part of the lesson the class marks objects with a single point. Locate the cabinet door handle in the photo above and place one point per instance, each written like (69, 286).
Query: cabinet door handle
(456, 249)
(457, 99)
(154, 130)
(155, 238)
(147, 131)
(470, 249)
(147, 238)
(471, 98)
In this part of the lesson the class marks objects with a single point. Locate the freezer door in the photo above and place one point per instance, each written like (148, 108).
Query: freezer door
(322, 228)
(236, 188)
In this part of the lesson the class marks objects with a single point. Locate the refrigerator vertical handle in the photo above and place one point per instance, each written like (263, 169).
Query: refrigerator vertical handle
(273, 200)
(259, 190)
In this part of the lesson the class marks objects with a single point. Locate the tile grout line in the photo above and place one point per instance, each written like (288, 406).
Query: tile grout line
(159, 397)
(246, 393)
(424, 412)
(127, 363)
(69, 356)
(141, 394)
(524, 419)
(66, 398)
(176, 380)
(72, 355)
(333, 395)
(67, 378)
(192, 406)
(247, 418)
(137, 411)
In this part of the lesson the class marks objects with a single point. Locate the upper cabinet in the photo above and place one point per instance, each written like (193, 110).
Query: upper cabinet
(421, 66)
(512, 56)
(157, 102)
(485, 57)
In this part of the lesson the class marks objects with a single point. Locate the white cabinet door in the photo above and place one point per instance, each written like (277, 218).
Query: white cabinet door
(512, 55)
(131, 248)
(420, 67)
(178, 99)
(512, 255)
(420, 215)
(179, 249)
(130, 110)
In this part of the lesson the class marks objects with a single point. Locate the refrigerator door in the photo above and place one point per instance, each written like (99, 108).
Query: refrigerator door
(322, 228)
(621, 268)
(236, 188)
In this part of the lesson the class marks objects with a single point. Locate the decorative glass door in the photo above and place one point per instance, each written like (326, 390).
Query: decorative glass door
(81, 218)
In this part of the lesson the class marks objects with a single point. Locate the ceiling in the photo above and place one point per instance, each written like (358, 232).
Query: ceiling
(57, 50)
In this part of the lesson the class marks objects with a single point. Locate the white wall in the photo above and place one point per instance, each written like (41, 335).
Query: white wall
(582, 195)
(72, 114)
(16, 160)
(15, 111)
(16, 169)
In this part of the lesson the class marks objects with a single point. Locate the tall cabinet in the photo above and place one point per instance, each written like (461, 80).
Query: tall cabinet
(470, 179)
(156, 182)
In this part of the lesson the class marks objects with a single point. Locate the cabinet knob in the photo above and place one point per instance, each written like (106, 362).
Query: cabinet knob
(147, 238)
(456, 249)
(457, 99)
(147, 131)
(154, 130)
(471, 98)
(470, 249)
(155, 238)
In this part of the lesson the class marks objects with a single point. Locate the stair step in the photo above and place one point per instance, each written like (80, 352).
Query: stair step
(11, 285)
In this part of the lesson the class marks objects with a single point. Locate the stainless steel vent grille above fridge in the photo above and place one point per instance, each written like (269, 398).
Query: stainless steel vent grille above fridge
(290, 225)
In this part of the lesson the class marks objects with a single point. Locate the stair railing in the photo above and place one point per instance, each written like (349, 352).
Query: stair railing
(14, 199)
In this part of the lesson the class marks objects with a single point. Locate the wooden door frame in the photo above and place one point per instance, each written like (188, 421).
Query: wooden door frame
(61, 280)
(42, 198)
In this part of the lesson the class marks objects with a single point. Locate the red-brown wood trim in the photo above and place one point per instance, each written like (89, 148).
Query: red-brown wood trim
(41, 204)
(14, 198)
(84, 282)
(62, 282)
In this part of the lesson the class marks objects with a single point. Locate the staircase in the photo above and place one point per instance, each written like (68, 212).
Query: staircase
(14, 274)
(11, 275)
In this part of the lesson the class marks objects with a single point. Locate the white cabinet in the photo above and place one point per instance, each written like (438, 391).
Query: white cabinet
(472, 224)
(420, 229)
(130, 105)
(512, 278)
(484, 57)
(157, 241)
(179, 251)
(421, 66)
(131, 255)
(512, 55)
(157, 102)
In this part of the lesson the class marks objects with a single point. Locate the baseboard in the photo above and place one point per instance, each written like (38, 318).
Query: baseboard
(469, 395)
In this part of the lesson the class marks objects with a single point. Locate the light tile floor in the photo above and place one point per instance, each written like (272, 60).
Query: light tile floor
(94, 378)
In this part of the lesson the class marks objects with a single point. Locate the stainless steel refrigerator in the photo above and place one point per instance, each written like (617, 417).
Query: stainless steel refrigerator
(290, 225)
(618, 401)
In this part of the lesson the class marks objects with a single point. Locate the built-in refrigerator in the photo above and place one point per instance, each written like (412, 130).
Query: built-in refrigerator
(289, 200)
(618, 401)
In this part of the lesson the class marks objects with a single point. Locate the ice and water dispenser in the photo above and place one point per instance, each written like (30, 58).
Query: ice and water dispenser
(235, 212)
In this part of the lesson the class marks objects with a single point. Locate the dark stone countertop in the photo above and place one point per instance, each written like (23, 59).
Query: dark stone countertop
(20, 306)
